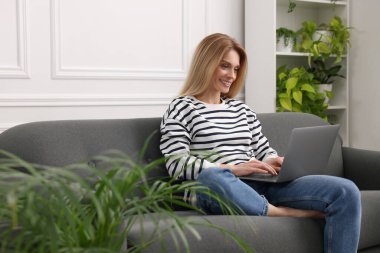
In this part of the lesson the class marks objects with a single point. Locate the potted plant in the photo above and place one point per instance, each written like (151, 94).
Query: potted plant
(324, 41)
(340, 38)
(297, 92)
(286, 39)
(86, 208)
(324, 75)
(316, 46)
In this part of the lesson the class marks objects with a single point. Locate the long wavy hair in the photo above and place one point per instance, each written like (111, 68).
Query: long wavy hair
(206, 58)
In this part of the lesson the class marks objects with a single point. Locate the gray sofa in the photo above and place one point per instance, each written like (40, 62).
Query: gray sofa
(64, 142)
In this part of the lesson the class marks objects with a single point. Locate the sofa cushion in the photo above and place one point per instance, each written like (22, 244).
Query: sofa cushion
(370, 227)
(263, 234)
(268, 234)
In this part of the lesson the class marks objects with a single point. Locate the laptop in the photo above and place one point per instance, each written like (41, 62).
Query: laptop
(308, 153)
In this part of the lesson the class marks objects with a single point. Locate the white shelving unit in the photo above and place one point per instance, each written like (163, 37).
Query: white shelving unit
(262, 18)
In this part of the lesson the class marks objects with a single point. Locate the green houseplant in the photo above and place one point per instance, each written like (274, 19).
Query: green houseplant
(297, 92)
(285, 39)
(324, 41)
(325, 75)
(340, 38)
(316, 47)
(82, 208)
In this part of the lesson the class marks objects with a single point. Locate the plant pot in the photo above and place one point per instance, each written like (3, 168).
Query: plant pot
(323, 88)
(281, 47)
(321, 35)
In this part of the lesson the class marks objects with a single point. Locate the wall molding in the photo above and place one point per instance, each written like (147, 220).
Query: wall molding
(77, 100)
(21, 70)
(66, 72)
(82, 100)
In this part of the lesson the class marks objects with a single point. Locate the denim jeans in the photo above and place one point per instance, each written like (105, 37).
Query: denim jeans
(337, 197)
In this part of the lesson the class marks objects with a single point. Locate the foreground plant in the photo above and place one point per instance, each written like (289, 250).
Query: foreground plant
(91, 207)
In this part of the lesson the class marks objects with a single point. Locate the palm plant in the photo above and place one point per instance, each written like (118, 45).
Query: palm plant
(90, 207)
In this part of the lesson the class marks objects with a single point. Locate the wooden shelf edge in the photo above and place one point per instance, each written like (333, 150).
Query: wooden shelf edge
(337, 107)
(314, 3)
(299, 54)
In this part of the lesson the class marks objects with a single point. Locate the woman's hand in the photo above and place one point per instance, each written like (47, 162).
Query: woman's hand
(275, 163)
(250, 167)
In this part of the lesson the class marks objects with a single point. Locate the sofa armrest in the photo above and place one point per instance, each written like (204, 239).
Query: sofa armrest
(362, 167)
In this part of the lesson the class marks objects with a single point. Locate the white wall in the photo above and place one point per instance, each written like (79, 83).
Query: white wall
(81, 59)
(364, 71)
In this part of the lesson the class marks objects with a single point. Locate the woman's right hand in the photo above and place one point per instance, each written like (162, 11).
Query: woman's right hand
(250, 167)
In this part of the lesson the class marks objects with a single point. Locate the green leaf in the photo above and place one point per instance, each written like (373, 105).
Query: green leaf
(315, 51)
(291, 83)
(281, 76)
(324, 48)
(320, 96)
(283, 95)
(311, 96)
(286, 103)
(307, 44)
(294, 72)
(329, 94)
(297, 95)
(307, 87)
(296, 108)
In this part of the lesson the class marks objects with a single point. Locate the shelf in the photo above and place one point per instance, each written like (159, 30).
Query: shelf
(299, 54)
(259, 23)
(320, 2)
(291, 54)
(337, 107)
(314, 3)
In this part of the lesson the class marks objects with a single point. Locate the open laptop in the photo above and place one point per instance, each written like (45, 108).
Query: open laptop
(308, 153)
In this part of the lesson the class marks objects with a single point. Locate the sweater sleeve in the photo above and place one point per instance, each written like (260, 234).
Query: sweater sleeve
(175, 146)
(260, 144)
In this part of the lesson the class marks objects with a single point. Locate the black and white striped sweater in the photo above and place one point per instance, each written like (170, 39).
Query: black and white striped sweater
(197, 136)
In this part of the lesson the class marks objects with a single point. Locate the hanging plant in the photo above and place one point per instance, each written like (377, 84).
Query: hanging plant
(286, 39)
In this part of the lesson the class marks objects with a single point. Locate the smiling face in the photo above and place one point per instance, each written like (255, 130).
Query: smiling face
(225, 73)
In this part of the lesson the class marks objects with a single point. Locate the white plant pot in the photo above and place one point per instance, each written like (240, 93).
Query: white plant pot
(321, 35)
(323, 88)
(280, 46)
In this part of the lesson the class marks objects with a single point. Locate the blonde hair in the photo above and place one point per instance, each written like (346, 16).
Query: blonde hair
(206, 59)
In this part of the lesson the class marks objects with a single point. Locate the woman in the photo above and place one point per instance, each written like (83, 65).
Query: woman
(210, 137)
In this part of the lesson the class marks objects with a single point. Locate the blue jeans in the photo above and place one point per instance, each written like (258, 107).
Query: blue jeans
(337, 197)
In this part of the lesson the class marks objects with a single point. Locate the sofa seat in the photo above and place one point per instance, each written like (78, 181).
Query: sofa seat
(263, 234)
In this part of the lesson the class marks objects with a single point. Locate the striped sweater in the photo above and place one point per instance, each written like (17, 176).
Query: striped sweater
(197, 136)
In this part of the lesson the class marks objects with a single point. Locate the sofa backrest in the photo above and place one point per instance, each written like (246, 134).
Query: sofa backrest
(60, 143)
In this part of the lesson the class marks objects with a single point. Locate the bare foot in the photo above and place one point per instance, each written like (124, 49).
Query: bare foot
(292, 212)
